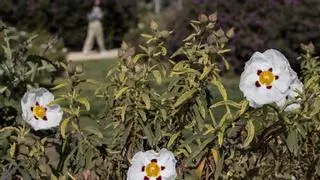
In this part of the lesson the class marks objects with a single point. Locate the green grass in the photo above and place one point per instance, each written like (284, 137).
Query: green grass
(96, 70)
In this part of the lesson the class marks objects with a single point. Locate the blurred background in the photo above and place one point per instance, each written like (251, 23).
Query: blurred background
(259, 25)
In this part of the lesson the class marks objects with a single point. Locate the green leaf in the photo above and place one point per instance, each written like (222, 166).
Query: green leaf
(147, 131)
(164, 114)
(164, 51)
(53, 177)
(93, 130)
(123, 112)
(84, 101)
(205, 72)
(201, 107)
(230, 33)
(3, 89)
(137, 57)
(220, 138)
(126, 134)
(191, 36)
(316, 107)
(148, 36)
(292, 141)
(56, 101)
(157, 76)
(7, 53)
(250, 133)
(143, 115)
(59, 86)
(146, 100)
(229, 102)
(12, 149)
(172, 139)
(120, 92)
(185, 96)
(63, 127)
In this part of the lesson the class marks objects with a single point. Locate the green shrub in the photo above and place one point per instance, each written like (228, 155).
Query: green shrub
(212, 137)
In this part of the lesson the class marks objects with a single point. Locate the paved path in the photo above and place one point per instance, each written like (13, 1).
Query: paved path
(94, 55)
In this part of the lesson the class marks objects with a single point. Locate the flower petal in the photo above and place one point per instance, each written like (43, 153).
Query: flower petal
(258, 95)
(167, 160)
(291, 96)
(53, 115)
(277, 59)
(44, 96)
(26, 104)
(135, 174)
(140, 159)
(296, 86)
(257, 62)
(285, 80)
(166, 156)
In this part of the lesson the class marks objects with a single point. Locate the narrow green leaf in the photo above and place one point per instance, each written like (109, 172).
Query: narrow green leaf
(120, 92)
(12, 149)
(63, 127)
(146, 100)
(250, 133)
(143, 115)
(56, 101)
(150, 137)
(205, 72)
(123, 112)
(137, 57)
(292, 141)
(164, 51)
(59, 86)
(85, 102)
(230, 33)
(148, 36)
(157, 76)
(172, 139)
(93, 130)
(185, 96)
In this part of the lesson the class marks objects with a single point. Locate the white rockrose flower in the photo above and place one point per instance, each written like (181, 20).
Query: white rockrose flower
(36, 110)
(293, 93)
(150, 165)
(266, 78)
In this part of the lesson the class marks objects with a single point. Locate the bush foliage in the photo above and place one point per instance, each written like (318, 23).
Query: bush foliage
(259, 25)
(67, 18)
(154, 101)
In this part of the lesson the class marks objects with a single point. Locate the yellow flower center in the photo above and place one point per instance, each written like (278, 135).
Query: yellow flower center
(153, 170)
(266, 78)
(39, 111)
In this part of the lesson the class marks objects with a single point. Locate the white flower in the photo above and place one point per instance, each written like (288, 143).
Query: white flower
(150, 165)
(37, 113)
(292, 95)
(266, 78)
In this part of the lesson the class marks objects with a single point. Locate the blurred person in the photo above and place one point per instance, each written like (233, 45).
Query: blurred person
(95, 29)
